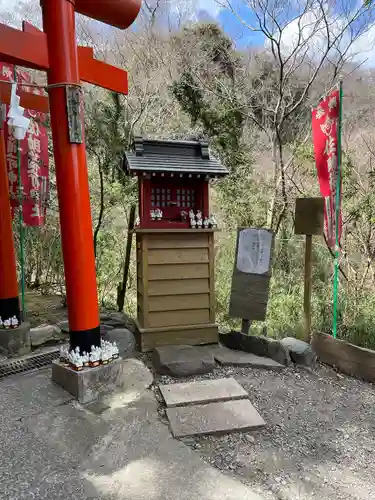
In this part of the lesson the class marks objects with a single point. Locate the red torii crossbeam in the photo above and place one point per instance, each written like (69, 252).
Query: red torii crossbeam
(55, 51)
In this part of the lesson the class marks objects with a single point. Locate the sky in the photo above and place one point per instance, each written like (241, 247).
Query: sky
(362, 50)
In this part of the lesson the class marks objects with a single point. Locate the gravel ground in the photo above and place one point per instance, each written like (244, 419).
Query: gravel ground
(318, 441)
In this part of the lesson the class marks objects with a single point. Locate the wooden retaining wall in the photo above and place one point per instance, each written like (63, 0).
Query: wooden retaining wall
(347, 358)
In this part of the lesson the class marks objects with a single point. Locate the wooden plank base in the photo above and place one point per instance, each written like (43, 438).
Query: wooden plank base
(348, 358)
(149, 338)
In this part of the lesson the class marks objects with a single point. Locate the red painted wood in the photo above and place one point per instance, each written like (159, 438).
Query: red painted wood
(8, 271)
(119, 13)
(33, 30)
(206, 199)
(23, 49)
(29, 48)
(71, 170)
(28, 100)
(172, 213)
(165, 224)
(100, 73)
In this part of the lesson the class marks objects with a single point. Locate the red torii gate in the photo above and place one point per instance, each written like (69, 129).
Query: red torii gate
(55, 51)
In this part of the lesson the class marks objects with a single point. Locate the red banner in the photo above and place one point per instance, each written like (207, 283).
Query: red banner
(325, 127)
(34, 158)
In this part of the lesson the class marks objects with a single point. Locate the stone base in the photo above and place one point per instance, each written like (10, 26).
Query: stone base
(15, 341)
(91, 383)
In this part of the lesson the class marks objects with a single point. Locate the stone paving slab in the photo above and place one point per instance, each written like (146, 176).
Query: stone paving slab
(26, 394)
(212, 418)
(125, 453)
(204, 391)
(227, 357)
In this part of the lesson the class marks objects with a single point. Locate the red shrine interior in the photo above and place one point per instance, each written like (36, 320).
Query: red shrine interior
(172, 194)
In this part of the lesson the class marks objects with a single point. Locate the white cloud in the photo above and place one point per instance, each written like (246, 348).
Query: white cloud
(209, 6)
(309, 31)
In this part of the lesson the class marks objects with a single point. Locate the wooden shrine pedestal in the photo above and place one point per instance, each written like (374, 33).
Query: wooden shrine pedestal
(176, 287)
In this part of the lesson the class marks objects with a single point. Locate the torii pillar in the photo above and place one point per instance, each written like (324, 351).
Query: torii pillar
(9, 301)
(56, 51)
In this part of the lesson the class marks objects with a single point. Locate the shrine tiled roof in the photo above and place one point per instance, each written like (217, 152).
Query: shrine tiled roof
(191, 157)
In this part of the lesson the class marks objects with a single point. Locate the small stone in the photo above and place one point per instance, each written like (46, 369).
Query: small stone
(232, 340)
(256, 344)
(105, 328)
(124, 339)
(182, 361)
(301, 353)
(249, 439)
(241, 359)
(64, 326)
(279, 352)
(45, 333)
(114, 319)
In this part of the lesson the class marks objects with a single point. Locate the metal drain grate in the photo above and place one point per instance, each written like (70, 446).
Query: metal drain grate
(25, 365)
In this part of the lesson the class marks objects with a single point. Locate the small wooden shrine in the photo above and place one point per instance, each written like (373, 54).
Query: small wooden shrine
(175, 242)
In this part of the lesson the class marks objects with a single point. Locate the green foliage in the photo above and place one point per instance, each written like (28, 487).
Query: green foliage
(214, 111)
(197, 77)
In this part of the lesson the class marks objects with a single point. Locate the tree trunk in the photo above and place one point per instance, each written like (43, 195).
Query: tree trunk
(272, 205)
(101, 212)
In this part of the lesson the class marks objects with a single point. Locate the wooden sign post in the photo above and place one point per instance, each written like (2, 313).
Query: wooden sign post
(251, 276)
(309, 220)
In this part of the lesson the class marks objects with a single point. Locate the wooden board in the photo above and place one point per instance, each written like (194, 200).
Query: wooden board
(178, 271)
(309, 216)
(140, 316)
(178, 302)
(178, 256)
(249, 293)
(204, 334)
(212, 278)
(176, 318)
(348, 358)
(178, 287)
(140, 286)
(177, 241)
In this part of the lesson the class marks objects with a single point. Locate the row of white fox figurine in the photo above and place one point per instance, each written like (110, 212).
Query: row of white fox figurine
(104, 354)
(9, 323)
(197, 220)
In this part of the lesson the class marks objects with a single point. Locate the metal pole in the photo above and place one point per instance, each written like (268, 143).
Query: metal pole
(337, 216)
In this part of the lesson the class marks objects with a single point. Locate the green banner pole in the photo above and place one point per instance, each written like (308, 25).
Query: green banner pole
(337, 215)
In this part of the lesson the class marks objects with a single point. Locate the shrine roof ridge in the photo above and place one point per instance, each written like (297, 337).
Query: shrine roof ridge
(155, 155)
